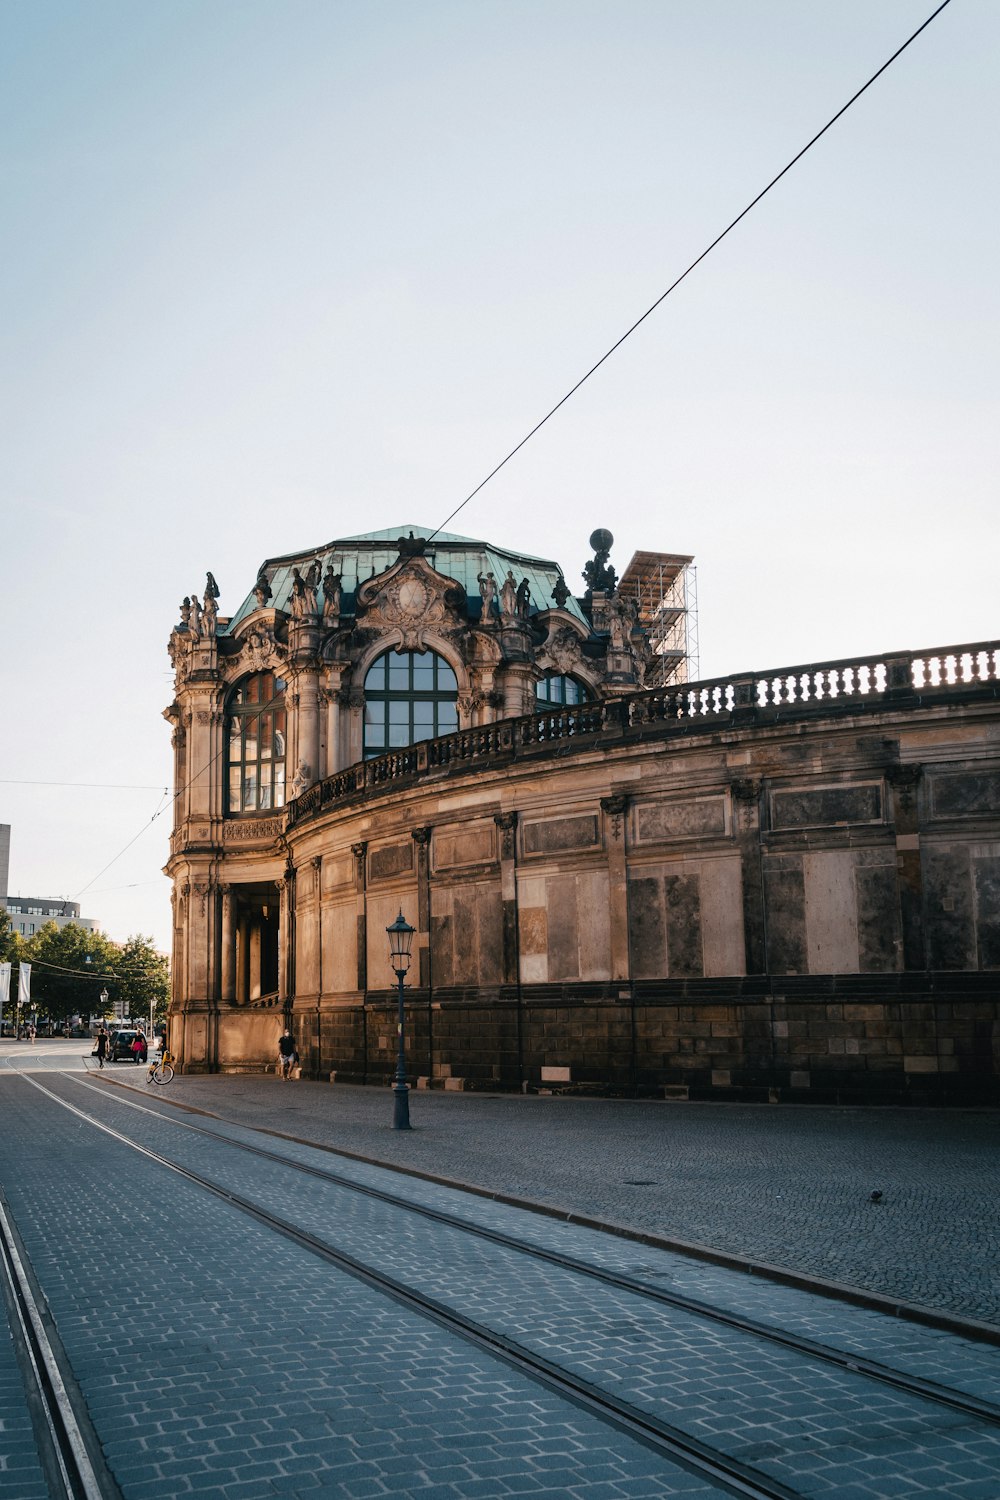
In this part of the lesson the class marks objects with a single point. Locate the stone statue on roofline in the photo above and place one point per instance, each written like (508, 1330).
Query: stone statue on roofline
(508, 597)
(194, 619)
(262, 588)
(332, 593)
(523, 599)
(488, 591)
(560, 593)
(209, 616)
(303, 604)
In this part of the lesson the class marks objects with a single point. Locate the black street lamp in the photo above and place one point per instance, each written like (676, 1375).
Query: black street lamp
(400, 937)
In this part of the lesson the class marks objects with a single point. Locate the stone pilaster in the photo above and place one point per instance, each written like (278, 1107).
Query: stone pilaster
(745, 793)
(903, 782)
(614, 810)
(360, 852)
(422, 842)
(507, 824)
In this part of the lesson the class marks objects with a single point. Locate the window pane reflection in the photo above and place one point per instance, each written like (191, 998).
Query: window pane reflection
(408, 697)
(256, 744)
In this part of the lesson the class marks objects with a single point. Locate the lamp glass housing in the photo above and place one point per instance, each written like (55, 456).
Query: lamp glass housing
(400, 936)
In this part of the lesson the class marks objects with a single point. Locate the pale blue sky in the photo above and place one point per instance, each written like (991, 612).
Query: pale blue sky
(278, 272)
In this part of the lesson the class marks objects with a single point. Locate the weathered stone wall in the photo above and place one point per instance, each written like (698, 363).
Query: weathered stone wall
(793, 902)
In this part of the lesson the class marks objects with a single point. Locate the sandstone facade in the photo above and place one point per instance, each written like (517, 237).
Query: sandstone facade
(782, 885)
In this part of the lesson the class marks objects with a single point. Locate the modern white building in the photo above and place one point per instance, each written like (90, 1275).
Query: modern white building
(30, 913)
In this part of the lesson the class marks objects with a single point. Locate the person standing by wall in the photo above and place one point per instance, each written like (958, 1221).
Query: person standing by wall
(287, 1055)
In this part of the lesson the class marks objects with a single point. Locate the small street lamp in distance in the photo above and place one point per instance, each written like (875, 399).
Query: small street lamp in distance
(104, 998)
(400, 936)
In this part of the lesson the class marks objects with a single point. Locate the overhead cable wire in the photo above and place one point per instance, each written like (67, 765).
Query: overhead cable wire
(248, 718)
(605, 357)
(684, 274)
(107, 786)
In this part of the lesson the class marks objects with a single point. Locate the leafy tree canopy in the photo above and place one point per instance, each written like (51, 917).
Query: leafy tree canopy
(71, 967)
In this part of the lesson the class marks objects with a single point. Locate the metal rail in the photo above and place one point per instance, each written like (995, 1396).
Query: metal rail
(62, 1448)
(855, 1364)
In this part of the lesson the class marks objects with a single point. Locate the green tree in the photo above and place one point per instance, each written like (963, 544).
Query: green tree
(69, 968)
(143, 979)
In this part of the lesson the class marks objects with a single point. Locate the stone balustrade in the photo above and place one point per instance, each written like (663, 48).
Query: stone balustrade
(914, 678)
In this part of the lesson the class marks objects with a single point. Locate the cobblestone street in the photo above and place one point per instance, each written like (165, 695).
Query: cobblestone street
(784, 1186)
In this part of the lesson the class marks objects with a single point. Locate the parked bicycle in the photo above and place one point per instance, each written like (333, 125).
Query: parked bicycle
(160, 1070)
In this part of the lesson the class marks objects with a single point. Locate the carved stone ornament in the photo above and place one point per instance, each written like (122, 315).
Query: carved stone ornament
(745, 792)
(260, 650)
(200, 891)
(413, 599)
(564, 649)
(507, 824)
(904, 780)
(614, 808)
(247, 830)
(359, 850)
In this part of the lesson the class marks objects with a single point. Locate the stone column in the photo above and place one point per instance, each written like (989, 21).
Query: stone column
(228, 956)
(903, 781)
(286, 937)
(243, 959)
(746, 818)
(308, 735)
(614, 809)
(518, 690)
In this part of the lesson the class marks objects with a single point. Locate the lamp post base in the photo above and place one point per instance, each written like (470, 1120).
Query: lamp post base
(401, 1108)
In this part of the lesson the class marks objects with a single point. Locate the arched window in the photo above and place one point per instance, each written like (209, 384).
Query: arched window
(559, 689)
(408, 697)
(255, 731)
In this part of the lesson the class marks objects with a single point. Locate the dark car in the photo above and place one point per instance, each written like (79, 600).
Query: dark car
(120, 1047)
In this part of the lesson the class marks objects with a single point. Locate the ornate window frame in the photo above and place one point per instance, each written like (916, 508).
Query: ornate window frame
(256, 744)
(409, 696)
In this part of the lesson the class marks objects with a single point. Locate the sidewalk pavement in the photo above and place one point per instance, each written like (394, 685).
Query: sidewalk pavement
(781, 1185)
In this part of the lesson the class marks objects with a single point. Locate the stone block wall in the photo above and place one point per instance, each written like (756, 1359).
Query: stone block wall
(803, 906)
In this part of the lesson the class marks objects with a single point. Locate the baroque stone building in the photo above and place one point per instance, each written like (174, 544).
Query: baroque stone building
(779, 885)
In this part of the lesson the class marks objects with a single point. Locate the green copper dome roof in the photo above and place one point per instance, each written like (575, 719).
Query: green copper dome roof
(462, 558)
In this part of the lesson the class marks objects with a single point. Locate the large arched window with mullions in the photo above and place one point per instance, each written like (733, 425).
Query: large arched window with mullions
(409, 696)
(557, 688)
(255, 739)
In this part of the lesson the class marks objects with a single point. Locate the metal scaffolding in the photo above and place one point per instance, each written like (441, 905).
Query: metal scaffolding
(664, 586)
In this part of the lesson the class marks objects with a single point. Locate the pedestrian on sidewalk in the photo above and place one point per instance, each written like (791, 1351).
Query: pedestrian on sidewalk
(102, 1046)
(287, 1055)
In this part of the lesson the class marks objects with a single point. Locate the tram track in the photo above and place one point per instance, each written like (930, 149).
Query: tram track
(733, 1474)
(928, 1390)
(63, 1450)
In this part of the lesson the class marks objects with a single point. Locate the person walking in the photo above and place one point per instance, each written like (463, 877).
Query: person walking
(139, 1048)
(287, 1055)
(102, 1046)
